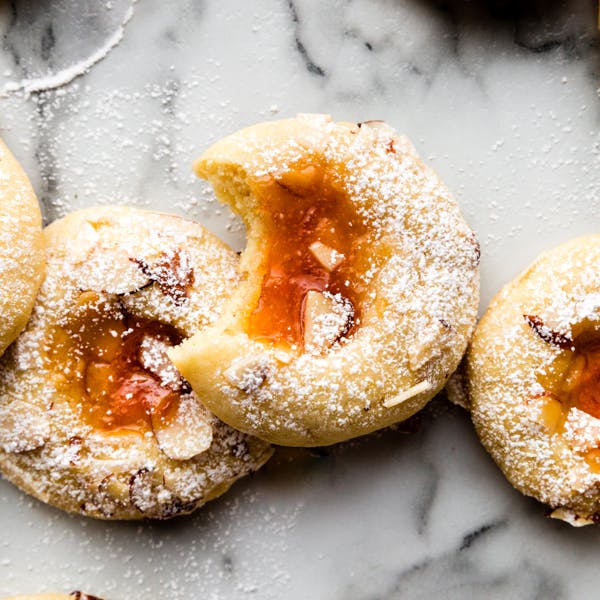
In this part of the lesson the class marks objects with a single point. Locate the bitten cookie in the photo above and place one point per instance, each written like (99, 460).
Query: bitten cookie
(533, 380)
(94, 418)
(21, 248)
(360, 283)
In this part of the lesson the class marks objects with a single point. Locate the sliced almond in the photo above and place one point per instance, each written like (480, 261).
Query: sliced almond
(329, 257)
(428, 343)
(108, 269)
(149, 495)
(248, 373)
(153, 357)
(114, 488)
(327, 318)
(283, 356)
(142, 492)
(376, 124)
(300, 182)
(581, 430)
(415, 390)
(572, 517)
(86, 240)
(187, 432)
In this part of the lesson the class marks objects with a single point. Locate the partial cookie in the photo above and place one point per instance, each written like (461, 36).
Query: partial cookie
(533, 380)
(21, 248)
(94, 418)
(360, 283)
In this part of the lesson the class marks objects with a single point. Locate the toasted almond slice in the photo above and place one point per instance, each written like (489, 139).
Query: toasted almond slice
(411, 392)
(153, 357)
(429, 343)
(378, 125)
(571, 517)
(300, 182)
(124, 277)
(186, 433)
(329, 257)
(283, 356)
(86, 240)
(581, 430)
(249, 373)
(326, 318)
(114, 488)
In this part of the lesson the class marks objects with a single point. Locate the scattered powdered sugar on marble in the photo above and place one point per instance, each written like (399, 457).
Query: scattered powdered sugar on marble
(65, 76)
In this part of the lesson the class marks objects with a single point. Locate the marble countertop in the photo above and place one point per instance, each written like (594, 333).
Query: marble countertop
(110, 103)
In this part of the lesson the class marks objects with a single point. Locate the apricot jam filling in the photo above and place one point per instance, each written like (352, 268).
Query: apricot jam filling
(572, 380)
(316, 242)
(119, 367)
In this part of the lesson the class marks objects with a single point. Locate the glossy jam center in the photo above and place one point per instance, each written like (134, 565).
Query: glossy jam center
(574, 380)
(305, 210)
(117, 361)
(585, 376)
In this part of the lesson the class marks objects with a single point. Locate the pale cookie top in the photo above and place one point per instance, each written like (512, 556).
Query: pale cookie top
(530, 380)
(93, 416)
(21, 248)
(376, 344)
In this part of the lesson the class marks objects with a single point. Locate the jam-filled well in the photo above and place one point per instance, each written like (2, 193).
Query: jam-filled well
(315, 241)
(574, 378)
(118, 366)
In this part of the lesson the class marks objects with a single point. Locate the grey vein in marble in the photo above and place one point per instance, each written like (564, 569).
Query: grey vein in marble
(500, 96)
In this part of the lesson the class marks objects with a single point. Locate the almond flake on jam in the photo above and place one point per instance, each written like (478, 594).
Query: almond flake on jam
(550, 336)
(172, 273)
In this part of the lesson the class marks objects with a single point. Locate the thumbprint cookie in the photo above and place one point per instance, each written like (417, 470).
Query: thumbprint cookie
(94, 417)
(533, 380)
(359, 290)
(21, 248)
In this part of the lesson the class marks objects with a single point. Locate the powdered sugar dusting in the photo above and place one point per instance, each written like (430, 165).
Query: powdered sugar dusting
(48, 447)
(21, 254)
(506, 362)
(420, 299)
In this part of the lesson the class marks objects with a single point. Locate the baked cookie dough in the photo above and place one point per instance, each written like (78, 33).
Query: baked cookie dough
(94, 418)
(360, 283)
(21, 248)
(533, 380)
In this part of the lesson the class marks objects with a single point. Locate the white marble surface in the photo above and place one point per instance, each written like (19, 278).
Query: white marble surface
(111, 102)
